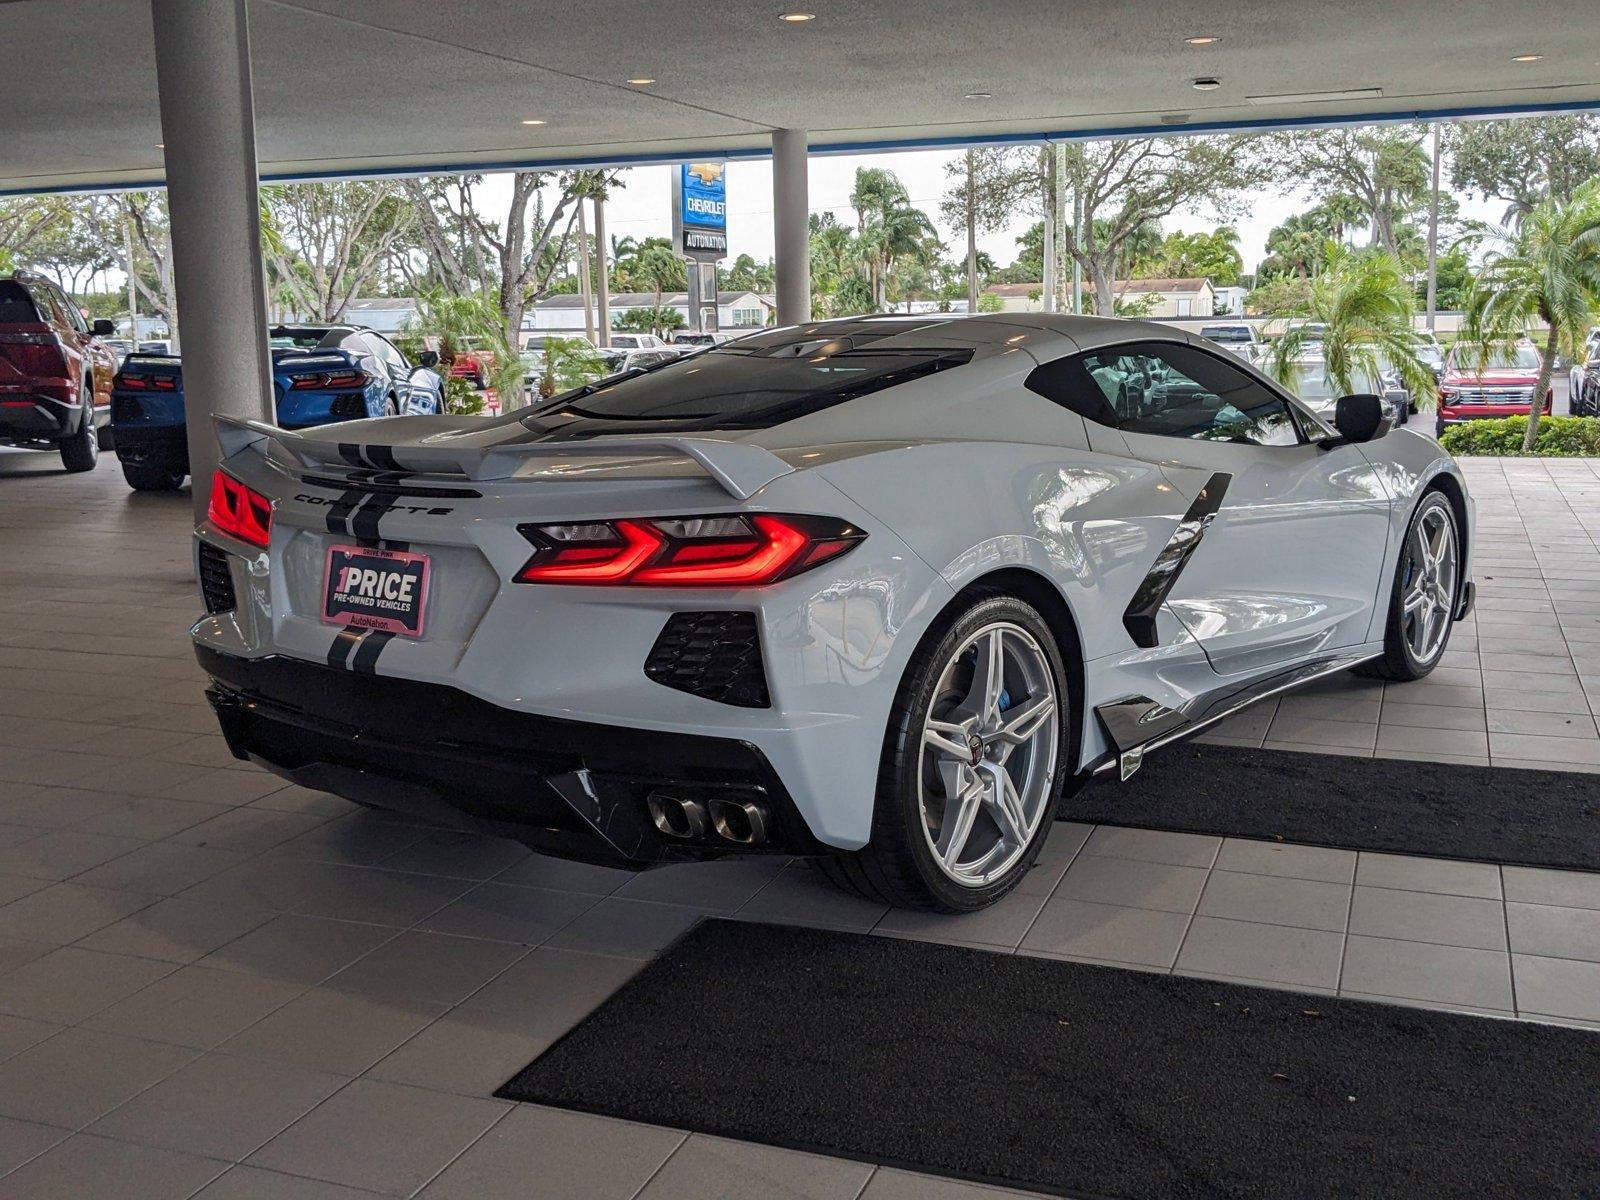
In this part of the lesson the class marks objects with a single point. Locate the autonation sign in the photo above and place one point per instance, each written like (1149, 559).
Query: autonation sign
(700, 209)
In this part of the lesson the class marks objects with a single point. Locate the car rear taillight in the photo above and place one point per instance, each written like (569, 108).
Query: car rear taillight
(328, 379)
(146, 383)
(37, 354)
(239, 511)
(716, 551)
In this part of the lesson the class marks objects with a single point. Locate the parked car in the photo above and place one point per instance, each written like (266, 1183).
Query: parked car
(800, 595)
(635, 341)
(619, 360)
(475, 363)
(1236, 337)
(55, 372)
(1501, 387)
(1583, 380)
(120, 347)
(536, 341)
(1431, 353)
(718, 338)
(156, 346)
(320, 373)
(1316, 391)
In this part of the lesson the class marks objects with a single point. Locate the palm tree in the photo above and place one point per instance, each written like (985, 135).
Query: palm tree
(1300, 241)
(1366, 306)
(1546, 271)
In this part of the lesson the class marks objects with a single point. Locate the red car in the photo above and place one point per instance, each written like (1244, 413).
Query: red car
(1502, 387)
(55, 372)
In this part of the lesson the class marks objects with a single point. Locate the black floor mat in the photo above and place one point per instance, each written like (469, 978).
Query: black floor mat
(1076, 1079)
(1494, 814)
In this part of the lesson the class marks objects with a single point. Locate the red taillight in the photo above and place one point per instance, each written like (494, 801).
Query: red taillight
(143, 383)
(329, 379)
(721, 551)
(37, 354)
(239, 512)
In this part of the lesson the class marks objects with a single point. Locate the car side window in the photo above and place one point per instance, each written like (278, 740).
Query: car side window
(387, 353)
(1170, 390)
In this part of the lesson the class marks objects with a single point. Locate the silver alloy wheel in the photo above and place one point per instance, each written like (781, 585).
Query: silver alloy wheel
(1430, 585)
(989, 743)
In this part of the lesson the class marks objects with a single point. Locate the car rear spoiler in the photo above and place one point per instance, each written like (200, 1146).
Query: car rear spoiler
(739, 468)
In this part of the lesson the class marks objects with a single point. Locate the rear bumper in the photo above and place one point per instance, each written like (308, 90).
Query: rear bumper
(163, 446)
(37, 417)
(571, 788)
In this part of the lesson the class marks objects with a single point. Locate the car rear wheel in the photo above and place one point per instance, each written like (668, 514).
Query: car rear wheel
(80, 450)
(1422, 602)
(972, 763)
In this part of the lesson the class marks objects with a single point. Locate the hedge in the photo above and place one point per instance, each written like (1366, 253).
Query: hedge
(1559, 437)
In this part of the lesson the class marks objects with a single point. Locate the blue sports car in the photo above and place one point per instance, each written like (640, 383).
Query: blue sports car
(320, 374)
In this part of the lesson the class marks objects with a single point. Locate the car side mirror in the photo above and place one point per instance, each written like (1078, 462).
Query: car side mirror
(1359, 418)
(428, 359)
(103, 328)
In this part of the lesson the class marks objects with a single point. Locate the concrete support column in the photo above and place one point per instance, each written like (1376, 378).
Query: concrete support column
(791, 231)
(208, 125)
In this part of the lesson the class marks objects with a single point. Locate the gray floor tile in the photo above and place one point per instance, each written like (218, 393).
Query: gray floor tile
(22, 1140)
(430, 968)
(1448, 974)
(721, 887)
(706, 1166)
(1294, 862)
(1427, 742)
(1428, 917)
(63, 853)
(253, 1183)
(65, 912)
(383, 1136)
(559, 875)
(524, 915)
(176, 930)
(800, 896)
(1276, 900)
(18, 1033)
(326, 1030)
(296, 949)
(1001, 924)
(1136, 884)
(1108, 932)
(635, 929)
(1557, 987)
(164, 868)
(1554, 932)
(86, 1166)
(69, 985)
(220, 1106)
(195, 1006)
(462, 1052)
(1153, 845)
(1248, 950)
(557, 1148)
(1558, 724)
(546, 993)
(79, 1075)
(462, 855)
(1414, 874)
(1536, 885)
(1318, 731)
(1402, 714)
(148, 817)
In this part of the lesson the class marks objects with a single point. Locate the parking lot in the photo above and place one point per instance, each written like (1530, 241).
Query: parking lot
(213, 984)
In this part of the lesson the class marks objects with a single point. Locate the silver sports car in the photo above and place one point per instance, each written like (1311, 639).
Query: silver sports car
(875, 591)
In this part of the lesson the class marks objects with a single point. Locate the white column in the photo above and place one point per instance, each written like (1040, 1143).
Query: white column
(208, 125)
(791, 232)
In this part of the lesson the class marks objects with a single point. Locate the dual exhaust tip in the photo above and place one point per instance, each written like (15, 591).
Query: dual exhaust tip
(741, 821)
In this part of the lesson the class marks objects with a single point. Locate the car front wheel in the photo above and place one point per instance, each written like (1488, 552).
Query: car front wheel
(1422, 601)
(972, 763)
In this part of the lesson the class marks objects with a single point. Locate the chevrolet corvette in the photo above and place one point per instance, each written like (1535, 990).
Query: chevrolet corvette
(876, 591)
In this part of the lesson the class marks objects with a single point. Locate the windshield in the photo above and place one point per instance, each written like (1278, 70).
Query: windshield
(1311, 383)
(740, 386)
(1518, 358)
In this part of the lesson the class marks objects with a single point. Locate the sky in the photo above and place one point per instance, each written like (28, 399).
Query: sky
(643, 208)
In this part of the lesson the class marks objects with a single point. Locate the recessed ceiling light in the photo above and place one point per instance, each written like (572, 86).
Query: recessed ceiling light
(641, 82)
(979, 96)
(1202, 40)
(1206, 84)
(161, 145)
(1175, 119)
(532, 121)
(797, 18)
(1527, 58)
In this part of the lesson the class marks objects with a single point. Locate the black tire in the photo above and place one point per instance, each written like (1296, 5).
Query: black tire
(897, 865)
(80, 450)
(390, 408)
(144, 477)
(1398, 663)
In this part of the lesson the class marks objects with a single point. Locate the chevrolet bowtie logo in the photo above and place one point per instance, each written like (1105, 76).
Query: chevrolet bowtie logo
(706, 173)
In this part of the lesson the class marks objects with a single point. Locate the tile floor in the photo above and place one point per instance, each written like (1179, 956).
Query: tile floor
(214, 985)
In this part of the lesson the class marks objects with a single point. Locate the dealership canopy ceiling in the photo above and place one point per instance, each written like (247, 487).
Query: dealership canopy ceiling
(356, 86)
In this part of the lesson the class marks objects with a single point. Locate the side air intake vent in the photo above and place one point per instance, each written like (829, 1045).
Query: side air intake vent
(716, 655)
(216, 580)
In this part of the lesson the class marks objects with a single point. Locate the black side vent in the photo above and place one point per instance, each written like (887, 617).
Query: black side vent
(716, 655)
(216, 580)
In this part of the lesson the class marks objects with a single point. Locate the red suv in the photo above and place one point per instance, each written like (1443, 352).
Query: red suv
(55, 373)
(1502, 387)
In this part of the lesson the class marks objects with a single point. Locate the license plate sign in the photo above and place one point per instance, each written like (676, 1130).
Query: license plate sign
(376, 589)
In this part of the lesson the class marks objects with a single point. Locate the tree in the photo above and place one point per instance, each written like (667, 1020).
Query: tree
(1125, 185)
(1298, 246)
(1524, 160)
(1283, 297)
(331, 240)
(656, 320)
(888, 228)
(25, 219)
(1214, 255)
(1547, 271)
(1384, 168)
(988, 186)
(460, 323)
(1366, 306)
(71, 250)
(747, 275)
(568, 363)
(659, 269)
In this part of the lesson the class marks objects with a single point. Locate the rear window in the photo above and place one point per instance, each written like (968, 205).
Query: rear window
(1226, 333)
(16, 306)
(742, 386)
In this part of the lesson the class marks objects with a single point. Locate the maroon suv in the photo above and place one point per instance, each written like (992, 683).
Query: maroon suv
(55, 373)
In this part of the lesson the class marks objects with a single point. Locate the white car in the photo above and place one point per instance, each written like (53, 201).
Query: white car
(636, 341)
(1313, 388)
(874, 591)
